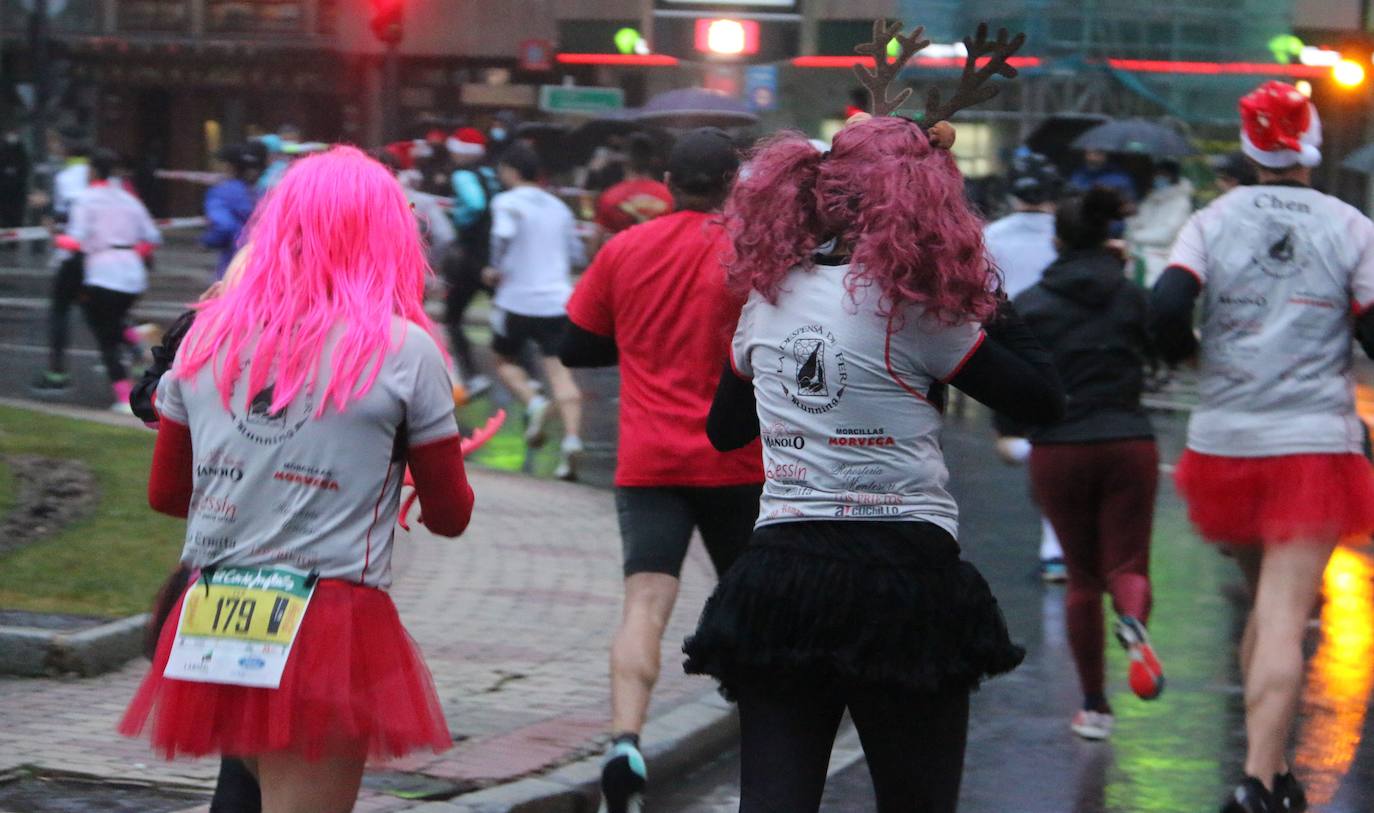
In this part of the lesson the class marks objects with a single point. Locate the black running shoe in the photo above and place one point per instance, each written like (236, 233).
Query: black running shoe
(623, 777)
(1289, 794)
(1250, 796)
(50, 383)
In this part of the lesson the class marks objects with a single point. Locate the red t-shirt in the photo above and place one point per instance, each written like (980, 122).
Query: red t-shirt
(630, 203)
(659, 291)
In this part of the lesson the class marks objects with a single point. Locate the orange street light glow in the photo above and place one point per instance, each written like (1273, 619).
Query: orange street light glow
(1348, 73)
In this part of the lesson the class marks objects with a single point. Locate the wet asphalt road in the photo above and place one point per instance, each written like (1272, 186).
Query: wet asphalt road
(1179, 754)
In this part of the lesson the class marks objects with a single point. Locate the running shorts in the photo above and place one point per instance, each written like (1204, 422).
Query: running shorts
(656, 524)
(511, 331)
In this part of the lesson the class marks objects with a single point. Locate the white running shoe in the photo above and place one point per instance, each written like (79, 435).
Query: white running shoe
(477, 385)
(535, 412)
(121, 408)
(568, 454)
(1092, 725)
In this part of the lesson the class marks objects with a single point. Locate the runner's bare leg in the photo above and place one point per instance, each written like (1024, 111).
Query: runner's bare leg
(649, 599)
(1290, 578)
(566, 395)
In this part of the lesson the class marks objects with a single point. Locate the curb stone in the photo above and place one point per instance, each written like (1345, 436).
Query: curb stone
(33, 652)
(675, 743)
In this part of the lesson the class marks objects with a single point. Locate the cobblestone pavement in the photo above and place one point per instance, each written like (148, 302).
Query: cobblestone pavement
(514, 619)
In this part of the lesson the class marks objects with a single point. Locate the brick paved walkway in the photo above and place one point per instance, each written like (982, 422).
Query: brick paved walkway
(514, 619)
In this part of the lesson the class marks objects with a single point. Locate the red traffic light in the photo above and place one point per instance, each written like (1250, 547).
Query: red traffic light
(386, 20)
(727, 37)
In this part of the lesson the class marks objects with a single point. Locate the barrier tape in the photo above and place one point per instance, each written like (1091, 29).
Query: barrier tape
(30, 233)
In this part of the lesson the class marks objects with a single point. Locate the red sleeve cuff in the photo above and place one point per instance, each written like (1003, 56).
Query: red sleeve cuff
(441, 483)
(172, 477)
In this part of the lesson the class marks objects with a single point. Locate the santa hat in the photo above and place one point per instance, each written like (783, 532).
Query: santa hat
(467, 141)
(403, 152)
(1280, 127)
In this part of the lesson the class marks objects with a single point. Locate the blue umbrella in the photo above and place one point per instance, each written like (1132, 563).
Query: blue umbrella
(1138, 136)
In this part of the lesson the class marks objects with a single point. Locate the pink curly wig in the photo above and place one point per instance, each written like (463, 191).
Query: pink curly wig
(334, 246)
(897, 202)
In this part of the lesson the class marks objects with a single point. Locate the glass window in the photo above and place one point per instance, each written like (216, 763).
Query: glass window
(76, 17)
(153, 15)
(254, 16)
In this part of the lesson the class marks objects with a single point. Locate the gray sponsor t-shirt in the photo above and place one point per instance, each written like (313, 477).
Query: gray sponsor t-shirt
(287, 488)
(848, 402)
(1281, 268)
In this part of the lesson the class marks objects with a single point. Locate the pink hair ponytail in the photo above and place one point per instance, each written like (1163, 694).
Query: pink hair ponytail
(771, 212)
(898, 204)
(335, 252)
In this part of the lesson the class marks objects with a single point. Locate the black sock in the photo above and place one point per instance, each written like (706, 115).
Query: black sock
(626, 736)
(1096, 702)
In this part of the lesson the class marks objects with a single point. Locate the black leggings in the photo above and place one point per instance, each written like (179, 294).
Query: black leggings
(66, 289)
(236, 791)
(464, 276)
(105, 311)
(914, 745)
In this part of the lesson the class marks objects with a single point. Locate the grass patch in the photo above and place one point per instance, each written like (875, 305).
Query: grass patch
(110, 563)
(7, 488)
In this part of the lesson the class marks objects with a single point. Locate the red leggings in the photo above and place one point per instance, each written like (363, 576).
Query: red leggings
(1100, 497)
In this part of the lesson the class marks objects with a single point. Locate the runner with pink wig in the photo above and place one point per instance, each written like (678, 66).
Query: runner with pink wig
(286, 649)
(335, 249)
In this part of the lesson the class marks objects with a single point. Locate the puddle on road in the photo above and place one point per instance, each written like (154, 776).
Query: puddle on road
(53, 793)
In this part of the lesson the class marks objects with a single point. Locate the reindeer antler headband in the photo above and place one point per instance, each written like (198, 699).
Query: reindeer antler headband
(973, 83)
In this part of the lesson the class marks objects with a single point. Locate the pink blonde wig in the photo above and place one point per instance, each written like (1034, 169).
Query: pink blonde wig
(897, 202)
(333, 246)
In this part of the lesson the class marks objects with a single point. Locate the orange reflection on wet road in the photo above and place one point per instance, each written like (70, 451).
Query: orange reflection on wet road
(1340, 676)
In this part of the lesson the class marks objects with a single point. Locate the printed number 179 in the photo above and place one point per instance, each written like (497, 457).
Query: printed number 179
(227, 610)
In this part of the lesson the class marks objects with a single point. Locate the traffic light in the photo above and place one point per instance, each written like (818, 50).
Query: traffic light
(387, 16)
(727, 38)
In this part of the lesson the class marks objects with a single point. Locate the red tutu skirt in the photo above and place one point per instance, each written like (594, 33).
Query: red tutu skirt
(354, 679)
(1258, 500)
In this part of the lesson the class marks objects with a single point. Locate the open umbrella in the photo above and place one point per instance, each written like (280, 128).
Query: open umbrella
(1361, 160)
(1138, 136)
(695, 107)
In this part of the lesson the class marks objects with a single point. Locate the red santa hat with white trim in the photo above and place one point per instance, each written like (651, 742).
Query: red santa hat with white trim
(467, 141)
(1279, 127)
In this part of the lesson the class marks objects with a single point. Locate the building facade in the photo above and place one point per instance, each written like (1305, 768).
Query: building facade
(169, 80)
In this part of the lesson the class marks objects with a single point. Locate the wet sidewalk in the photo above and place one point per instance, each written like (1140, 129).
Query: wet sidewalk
(514, 619)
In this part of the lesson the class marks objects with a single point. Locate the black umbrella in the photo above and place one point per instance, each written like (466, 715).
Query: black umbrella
(1361, 160)
(1138, 136)
(695, 107)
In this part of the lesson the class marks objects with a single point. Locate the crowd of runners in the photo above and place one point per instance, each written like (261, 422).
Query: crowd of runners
(788, 323)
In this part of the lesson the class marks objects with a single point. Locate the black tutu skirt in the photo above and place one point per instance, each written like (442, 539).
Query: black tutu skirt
(853, 605)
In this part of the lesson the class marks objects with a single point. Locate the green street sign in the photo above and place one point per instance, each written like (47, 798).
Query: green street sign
(580, 100)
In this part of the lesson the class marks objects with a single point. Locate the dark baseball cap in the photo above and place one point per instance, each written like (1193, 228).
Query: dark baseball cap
(703, 161)
(1033, 179)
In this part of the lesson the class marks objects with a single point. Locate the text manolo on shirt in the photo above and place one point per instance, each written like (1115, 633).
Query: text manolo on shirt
(1281, 269)
(847, 412)
(287, 488)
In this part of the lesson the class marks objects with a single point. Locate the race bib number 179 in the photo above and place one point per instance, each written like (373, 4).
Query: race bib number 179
(238, 625)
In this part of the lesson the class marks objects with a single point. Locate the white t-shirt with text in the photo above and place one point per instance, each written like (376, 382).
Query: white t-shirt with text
(849, 411)
(290, 489)
(1282, 268)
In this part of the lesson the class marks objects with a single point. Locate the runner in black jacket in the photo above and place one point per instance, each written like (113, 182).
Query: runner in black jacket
(1094, 472)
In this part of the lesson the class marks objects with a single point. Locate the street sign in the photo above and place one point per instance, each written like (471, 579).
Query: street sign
(761, 87)
(580, 100)
(536, 55)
